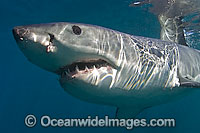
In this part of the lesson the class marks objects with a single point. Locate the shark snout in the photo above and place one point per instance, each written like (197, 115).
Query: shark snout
(20, 33)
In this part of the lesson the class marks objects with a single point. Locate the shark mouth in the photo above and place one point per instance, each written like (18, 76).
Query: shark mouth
(83, 67)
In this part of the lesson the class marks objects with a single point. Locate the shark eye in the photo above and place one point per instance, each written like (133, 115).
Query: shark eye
(51, 37)
(76, 30)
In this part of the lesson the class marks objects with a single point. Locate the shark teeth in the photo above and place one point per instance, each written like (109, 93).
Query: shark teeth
(65, 74)
(82, 67)
(86, 68)
(94, 67)
(68, 70)
(77, 72)
(77, 69)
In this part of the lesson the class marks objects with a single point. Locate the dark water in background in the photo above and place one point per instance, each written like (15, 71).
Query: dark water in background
(27, 89)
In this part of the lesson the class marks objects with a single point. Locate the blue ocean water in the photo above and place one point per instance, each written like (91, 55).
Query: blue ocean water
(27, 89)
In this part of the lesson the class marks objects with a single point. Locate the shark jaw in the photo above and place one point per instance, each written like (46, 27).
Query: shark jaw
(50, 51)
(83, 67)
(92, 71)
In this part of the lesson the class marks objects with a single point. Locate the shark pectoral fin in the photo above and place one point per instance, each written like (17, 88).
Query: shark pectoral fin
(189, 83)
(125, 112)
(192, 84)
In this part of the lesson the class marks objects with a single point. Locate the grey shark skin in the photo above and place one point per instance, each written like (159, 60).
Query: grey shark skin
(109, 67)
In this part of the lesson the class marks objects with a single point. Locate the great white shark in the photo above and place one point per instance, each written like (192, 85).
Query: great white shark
(110, 67)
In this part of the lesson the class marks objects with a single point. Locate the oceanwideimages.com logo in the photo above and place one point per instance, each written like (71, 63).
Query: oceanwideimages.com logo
(47, 121)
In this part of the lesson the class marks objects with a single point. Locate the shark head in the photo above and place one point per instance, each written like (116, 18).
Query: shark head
(73, 51)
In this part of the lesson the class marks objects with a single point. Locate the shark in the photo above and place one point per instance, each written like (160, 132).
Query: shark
(104, 66)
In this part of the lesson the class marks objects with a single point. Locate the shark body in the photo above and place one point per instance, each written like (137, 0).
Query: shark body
(109, 67)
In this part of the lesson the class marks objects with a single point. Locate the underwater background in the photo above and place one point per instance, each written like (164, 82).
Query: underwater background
(27, 89)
